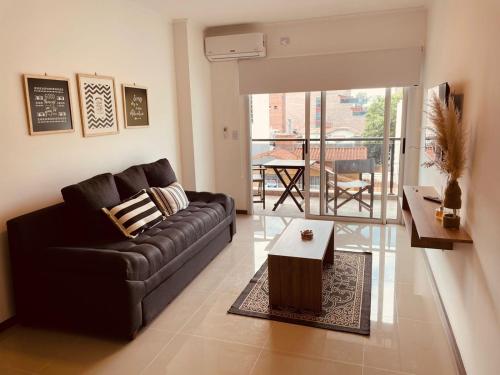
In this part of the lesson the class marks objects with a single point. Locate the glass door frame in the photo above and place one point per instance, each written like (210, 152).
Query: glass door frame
(386, 142)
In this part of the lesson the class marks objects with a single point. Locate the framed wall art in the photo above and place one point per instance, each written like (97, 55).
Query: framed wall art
(97, 105)
(135, 106)
(48, 104)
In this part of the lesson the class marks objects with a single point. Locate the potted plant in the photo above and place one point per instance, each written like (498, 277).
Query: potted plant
(450, 141)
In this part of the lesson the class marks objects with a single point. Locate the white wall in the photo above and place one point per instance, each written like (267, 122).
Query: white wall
(231, 155)
(351, 33)
(201, 101)
(194, 101)
(463, 49)
(184, 104)
(367, 32)
(113, 37)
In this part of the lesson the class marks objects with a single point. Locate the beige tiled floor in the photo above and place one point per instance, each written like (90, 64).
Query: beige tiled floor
(350, 209)
(194, 335)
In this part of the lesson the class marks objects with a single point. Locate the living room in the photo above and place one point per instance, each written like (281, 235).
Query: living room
(197, 286)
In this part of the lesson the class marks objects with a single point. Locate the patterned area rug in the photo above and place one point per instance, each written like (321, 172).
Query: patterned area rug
(346, 297)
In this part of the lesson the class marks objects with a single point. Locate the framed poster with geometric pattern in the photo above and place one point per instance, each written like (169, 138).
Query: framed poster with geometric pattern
(48, 104)
(135, 106)
(97, 105)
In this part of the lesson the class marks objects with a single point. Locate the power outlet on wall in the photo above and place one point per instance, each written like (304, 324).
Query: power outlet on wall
(285, 41)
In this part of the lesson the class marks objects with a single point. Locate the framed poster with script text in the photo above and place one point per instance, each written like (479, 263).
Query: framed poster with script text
(135, 106)
(48, 104)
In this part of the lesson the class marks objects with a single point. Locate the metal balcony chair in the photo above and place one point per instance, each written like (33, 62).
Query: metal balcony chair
(259, 177)
(352, 190)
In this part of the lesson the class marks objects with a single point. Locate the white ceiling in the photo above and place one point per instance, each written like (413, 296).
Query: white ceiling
(225, 12)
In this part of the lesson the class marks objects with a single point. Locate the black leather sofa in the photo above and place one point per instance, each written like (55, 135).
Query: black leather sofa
(72, 268)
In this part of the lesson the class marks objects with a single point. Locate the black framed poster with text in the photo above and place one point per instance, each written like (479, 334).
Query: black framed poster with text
(48, 104)
(135, 106)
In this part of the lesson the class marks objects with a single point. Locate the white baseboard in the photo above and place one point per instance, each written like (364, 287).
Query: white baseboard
(445, 320)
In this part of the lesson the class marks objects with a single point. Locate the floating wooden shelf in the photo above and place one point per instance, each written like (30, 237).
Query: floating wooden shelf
(424, 229)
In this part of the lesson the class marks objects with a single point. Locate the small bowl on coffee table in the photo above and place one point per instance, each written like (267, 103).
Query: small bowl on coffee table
(306, 234)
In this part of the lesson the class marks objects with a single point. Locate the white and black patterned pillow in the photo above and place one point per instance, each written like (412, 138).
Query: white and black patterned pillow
(170, 199)
(134, 215)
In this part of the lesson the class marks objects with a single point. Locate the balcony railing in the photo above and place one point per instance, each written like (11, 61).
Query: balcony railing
(266, 149)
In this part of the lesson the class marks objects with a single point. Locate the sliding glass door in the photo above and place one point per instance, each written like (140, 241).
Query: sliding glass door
(354, 150)
(348, 144)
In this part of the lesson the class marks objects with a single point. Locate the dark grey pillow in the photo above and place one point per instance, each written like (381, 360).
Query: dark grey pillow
(84, 201)
(159, 173)
(131, 181)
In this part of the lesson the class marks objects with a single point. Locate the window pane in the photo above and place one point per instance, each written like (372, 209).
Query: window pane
(353, 153)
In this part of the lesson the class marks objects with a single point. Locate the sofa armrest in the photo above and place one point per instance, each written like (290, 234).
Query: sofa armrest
(88, 261)
(225, 200)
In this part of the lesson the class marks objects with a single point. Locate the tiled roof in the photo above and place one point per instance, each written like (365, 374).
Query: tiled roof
(277, 153)
(336, 153)
(331, 153)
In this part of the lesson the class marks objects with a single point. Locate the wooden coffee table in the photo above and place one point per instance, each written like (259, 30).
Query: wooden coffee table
(295, 267)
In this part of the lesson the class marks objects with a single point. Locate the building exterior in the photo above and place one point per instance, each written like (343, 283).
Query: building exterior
(284, 114)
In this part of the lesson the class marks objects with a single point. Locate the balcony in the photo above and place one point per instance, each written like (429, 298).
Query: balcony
(359, 148)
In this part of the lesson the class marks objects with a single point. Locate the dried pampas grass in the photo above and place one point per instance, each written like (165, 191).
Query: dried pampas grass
(450, 138)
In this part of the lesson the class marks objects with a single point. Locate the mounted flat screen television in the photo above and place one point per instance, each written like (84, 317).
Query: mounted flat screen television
(432, 150)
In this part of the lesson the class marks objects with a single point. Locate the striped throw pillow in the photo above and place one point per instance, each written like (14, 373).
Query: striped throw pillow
(134, 215)
(170, 199)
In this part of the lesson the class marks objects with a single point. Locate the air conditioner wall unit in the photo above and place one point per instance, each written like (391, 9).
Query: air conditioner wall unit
(236, 46)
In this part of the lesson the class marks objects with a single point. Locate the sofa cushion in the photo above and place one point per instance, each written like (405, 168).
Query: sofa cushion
(170, 199)
(163, 243)
(93, 193)
(159, 173)
(84, 201)
(131, 181)
(135, 214)
(203, 196)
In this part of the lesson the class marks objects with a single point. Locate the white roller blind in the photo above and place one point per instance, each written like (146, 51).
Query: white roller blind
(372, 69)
